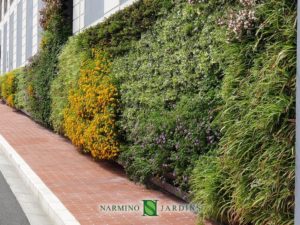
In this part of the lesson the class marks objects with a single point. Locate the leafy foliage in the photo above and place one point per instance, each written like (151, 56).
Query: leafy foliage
(177, 86)
(22, 95)
(117, 32)
(168, 86)
(115, 35)
(70, 60)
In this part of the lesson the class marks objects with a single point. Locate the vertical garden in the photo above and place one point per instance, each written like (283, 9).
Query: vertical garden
(199, 94)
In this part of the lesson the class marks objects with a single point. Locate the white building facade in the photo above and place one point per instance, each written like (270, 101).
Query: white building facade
(20, 32)
(87, 13)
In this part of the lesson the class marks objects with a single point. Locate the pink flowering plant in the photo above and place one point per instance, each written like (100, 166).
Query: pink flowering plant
(241, 22)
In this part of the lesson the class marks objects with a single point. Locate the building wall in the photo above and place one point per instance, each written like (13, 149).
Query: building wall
(19, 32)
(87, 13)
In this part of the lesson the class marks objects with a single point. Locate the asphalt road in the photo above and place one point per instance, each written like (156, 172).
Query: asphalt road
(11, 212)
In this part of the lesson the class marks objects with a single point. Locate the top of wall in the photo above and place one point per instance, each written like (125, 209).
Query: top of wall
(87, 13)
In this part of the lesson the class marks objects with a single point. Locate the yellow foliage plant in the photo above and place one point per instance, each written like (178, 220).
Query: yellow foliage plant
(8, 88)
(90, 118)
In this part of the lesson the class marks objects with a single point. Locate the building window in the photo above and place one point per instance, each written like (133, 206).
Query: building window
(5, 6)
(94, 10)
(29, 28)
(0, 10)
(19, 51)
(0, 49)
(4, 47)
(11, 42)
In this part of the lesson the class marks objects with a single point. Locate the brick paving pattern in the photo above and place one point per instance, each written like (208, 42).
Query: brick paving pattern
(80, 183)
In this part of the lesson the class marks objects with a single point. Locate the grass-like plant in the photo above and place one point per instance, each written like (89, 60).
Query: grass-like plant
(251, 178)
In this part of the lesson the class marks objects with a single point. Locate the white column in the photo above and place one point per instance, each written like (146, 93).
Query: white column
(41, 5)
(82, 9)
(35, 27)
(15, 39)
(2, 40)
(78, 15)
(24, 32)
(1, 43)
(7, 41)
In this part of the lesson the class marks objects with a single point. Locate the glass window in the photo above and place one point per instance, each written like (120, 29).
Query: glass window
(0, 10)
(94, 10)
(5, 6)
(29, 28)
(19, 34)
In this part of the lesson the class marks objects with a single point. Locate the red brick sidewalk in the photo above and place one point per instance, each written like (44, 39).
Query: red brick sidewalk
(80, 183)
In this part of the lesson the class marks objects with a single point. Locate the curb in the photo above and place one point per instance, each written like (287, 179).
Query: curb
(52, 206)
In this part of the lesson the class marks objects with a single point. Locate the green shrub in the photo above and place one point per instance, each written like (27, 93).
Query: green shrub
(115, 35)
(169, 87)
(8, 87)
(22, 97)
(204, 86)
(253, 180)
(43, 67)
(117, 32)
(70, 60)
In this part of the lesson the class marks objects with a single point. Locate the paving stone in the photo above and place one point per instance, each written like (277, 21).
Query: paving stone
(79, 182)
